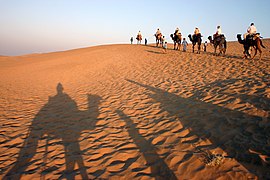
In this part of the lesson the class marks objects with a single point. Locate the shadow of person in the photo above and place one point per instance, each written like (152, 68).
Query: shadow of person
(237, 133)
(58, 119)
(159, 168)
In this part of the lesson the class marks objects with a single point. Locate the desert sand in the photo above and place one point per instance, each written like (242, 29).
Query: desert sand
(134, 112)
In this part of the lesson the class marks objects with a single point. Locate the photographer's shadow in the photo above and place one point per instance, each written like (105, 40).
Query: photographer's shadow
(61, 119)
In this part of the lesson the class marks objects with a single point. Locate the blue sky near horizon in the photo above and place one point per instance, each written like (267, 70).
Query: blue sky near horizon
(37, 26)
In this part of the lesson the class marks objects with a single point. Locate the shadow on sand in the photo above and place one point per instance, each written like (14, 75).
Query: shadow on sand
(58, 119)
(158, 165)
(155, 52)
(242, 136)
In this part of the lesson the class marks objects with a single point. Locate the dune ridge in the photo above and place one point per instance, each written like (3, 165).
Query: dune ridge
(133, 112)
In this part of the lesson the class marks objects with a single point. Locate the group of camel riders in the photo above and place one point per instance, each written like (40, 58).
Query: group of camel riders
(251, 39)
(251, 31)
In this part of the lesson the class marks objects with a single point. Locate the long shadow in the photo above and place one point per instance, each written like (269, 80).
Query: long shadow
(221, 87)
(160, 47)
(240, 135)
(155, 52)
(58, 119)
(159, 169)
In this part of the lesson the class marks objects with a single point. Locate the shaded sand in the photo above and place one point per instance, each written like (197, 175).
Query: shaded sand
(132, 112)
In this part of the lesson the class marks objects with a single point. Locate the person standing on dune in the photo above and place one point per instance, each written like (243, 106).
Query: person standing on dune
(165, 47)
(185, 44)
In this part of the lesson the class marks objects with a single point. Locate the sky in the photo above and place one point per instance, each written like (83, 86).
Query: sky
(39, 26)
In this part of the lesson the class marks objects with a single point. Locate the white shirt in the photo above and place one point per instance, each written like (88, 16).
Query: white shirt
(219, 31)
(252, 30)
(177, 31)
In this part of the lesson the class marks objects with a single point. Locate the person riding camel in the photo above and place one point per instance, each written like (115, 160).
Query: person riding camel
(196, 32)
(252, 30)
(177, 32)
(218, 32)
(158, 32)
(139, 35)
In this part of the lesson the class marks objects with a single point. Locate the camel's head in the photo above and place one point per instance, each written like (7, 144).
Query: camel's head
(190, 37)
(239, 36)
(210, 38)
(240, 39)
(171, 36)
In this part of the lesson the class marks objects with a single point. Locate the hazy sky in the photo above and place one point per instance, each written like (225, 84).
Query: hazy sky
(36, 26)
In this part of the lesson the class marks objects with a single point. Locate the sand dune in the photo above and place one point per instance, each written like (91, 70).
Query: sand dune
(133, 112)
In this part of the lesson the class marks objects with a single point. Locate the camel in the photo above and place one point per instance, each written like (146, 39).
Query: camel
(139, 39)
(176, 40)
(158, 39)
(196, 39)
(250, 41)
(219, 41)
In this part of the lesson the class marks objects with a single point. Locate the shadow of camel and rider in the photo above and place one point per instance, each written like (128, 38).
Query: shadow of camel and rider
(59, 118)
(240, 135)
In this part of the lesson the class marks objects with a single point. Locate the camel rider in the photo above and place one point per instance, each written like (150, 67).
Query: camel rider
(218, 32)
(252, 30)
(158, 32)
(139, 34)
(196, 32)
(177, 32)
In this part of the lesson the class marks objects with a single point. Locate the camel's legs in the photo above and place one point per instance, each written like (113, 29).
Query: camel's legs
(260, 51)
(254, 53)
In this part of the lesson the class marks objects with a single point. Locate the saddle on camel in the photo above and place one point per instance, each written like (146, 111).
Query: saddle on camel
(139, 37)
